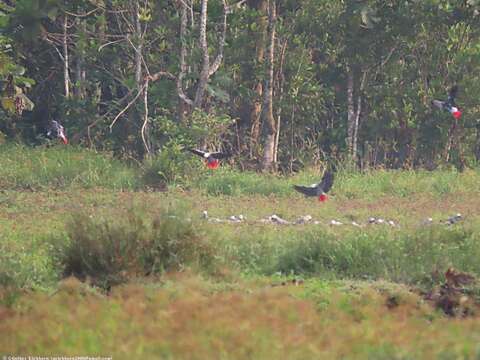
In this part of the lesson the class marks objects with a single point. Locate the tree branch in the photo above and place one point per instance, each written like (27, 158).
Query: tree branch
(183, 55)
(145, 121)
(221, 45)
(140, 91)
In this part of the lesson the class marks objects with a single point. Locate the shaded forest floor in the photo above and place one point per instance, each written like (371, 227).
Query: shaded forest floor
(238, 290)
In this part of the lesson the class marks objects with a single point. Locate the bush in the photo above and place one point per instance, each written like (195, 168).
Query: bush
(173, 165)
(111, 249)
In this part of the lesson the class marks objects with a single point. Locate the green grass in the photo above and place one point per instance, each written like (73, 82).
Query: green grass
(180, 287)
(377, 183)
(22, 167)
(413, 256)
(369, 185)
(26, 262)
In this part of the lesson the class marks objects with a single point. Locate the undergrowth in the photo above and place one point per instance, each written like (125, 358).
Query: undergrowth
(111, 249)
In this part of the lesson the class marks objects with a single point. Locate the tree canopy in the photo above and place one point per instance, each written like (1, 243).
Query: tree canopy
(280, 84)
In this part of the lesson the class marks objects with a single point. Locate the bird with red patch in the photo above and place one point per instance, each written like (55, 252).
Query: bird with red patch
(212, 159)
(55, 130)
(449, 105)
(319, 190)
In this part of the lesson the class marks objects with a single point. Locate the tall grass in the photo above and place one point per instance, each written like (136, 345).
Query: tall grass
(348, 185)
(26, 262)
(417, 256)
(227, 181)
(23, 167)
(404, 183)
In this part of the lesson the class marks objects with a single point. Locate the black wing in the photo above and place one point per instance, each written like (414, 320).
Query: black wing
(307, 190)
(452, 94)
(327, 181)
(197, 152)
(220, 155)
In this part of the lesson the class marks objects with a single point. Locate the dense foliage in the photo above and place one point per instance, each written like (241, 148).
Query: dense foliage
(350, 80)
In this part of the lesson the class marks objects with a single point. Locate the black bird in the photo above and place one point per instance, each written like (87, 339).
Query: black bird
(56, 131)
(319, 189)
(449, 105)
(212, 159)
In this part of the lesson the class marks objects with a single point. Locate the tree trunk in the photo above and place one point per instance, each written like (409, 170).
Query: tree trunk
(354, 114)
(138, 46)
(280, 84)
(183, 101)
(140, 82)
(268, 162)
(66, 76)
(80, 72)
(256, 106)
(350, 112)
(204, 74)
(358, 113)
(207, 70)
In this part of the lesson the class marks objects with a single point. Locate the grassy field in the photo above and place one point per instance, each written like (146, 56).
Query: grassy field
(95, 261)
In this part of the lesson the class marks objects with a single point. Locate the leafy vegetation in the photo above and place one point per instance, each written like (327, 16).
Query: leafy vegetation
(350, 80)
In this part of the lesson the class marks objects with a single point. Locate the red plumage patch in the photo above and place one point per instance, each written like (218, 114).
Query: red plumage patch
(213, 164)
(322, 198)
(457, 114)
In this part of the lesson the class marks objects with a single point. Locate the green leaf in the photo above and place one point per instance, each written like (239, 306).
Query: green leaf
(52, 13)
(8, 104)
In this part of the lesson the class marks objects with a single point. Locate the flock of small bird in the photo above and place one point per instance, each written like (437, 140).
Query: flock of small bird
(308, 219)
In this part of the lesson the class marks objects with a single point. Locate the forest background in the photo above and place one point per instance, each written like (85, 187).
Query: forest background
(280, 84)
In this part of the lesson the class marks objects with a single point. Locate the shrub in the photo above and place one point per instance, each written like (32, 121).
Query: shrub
(111, 249)
(173, 165)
